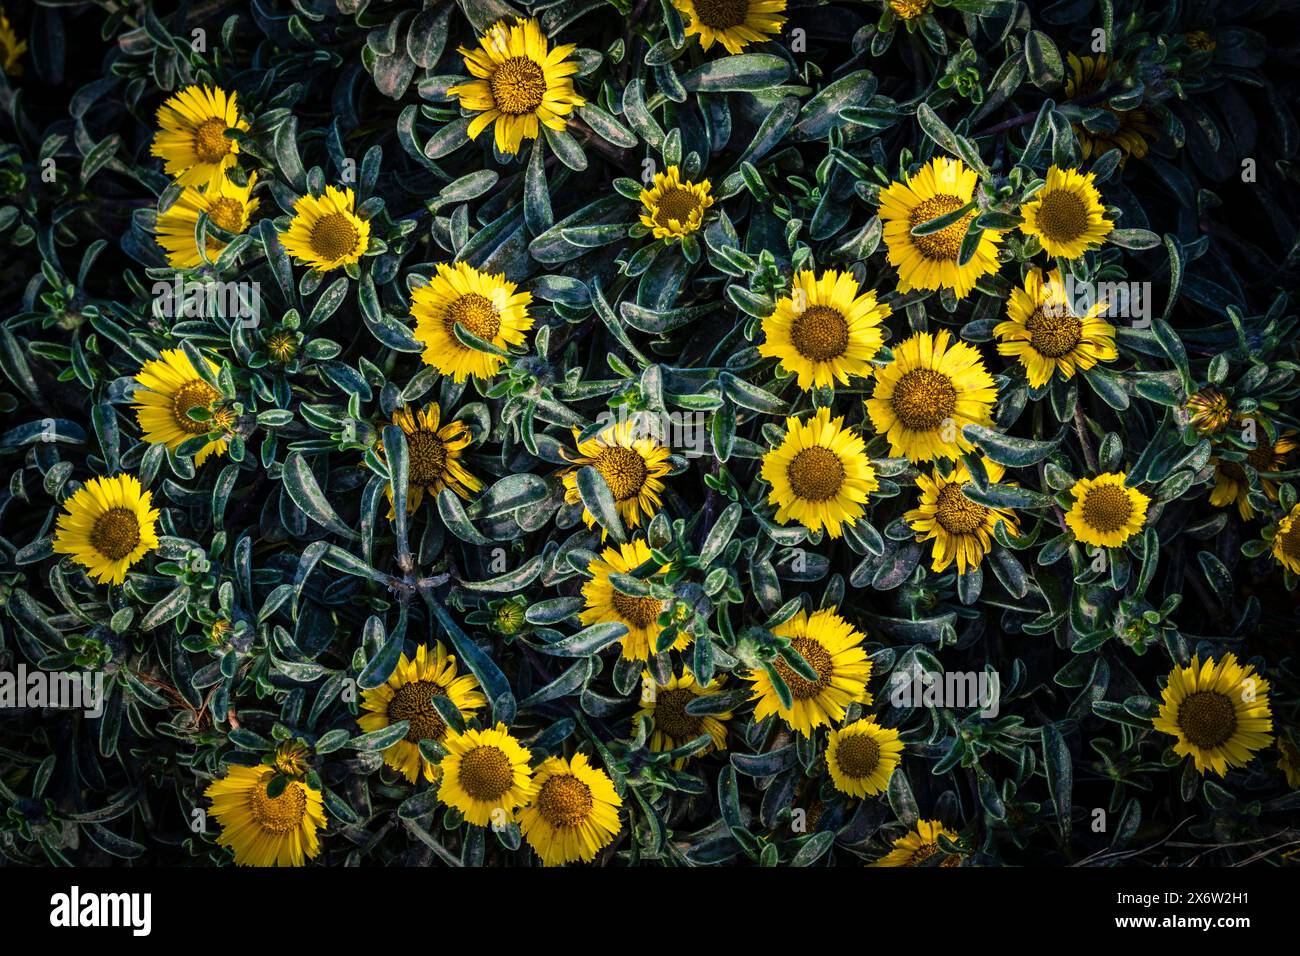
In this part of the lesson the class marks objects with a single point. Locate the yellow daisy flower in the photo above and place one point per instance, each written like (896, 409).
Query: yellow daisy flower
(1286, 541)
(605, 603)
(191, 139)
(108, 525)
(574, 813)
(1232, 485)
(665, 705)
(433, 455)
(11, 48)
(930, 261)
(909, 9)
(632, 466)
(325, 232)
(928, 393)
(1289, 761)
(673, 207)
(518, 84)
(1088, 75)
(485, 305)
(1209, 411)
(169, 387)
(1042, 331)
(920, 845)
(825, 331)
(734, 24)
(862, 756)
(820, 475)
(227, 205)
(1218, 711)
(1066, 215)
(833, 649)
(1105, 512)
(485, 775)
(408, 695)
(961, 529)
(264, 830)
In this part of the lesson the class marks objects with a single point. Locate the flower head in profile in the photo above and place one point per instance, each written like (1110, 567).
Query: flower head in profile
(930, 391)
(485, 775)
(826, 329)
(929, 257)
(325, 232)
(1087, 77)
(918, 847)
(486, 306)
(631, 463)
(861, 757)
(408, 695)
(672, 207)
(107, 526)
(192, 138)
(519, 84)
(733, 24)
(11, 48)
(1106, 513)
(1043, 332)
(820, 474)
(265, 830)
(605, 603)
(1066, 214)
(1218, 710)
(1232, 483)
(1209, 411)
(1286, 541)
(433, 455)
(574, 811)
(961, 529)
(227, 205)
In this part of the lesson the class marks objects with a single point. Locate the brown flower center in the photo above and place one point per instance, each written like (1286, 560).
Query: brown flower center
(282, 814)
(820, 333)
(637, 611)
(334, 236)
(820, 660)
(414, 702)
(564, 801)
(1106, 508)
(945, 244)
(624, 470)
(227, 213)
(858, 756)
(816, 474)
(1289, 541)
(1062, 216)
(676, 203)
(476, 313)
(957, 513)
(1053, 331)
(210, 143)
(1207, 718)
(195, 394)
(671, 716)
(486, 773)
(518, 86)
(426, 457)
(923, 398)
(721, 14)
(116, 533)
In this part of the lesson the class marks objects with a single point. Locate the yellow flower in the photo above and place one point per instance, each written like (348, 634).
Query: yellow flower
(909, 9)
(11, 48)
(665, 705)
(170, 387)
(931, 261)
(920, 845)
(1200, 41)
(1230, 480)
(433, 455)
(1218, 711)
(408, 695)
(485, 775)
(227, 205)
(630, 464)
(832, 647)
(825, 331)
(519, 83)
(1286, 541)
(1209, 411)
(191, 139)
(1066, 215)
(862, 756)
(640, 613)
(1105, 512)
(574, 813)
(264, 830)
(325, 232)
(733, 23)
(928, 393)
(108, 525)
(485, 305)
(1088, 76)
(961, 529)
(1042, 331)
(1289, 761)
(820, 475)
(672, 207)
